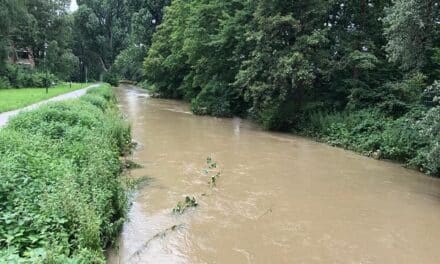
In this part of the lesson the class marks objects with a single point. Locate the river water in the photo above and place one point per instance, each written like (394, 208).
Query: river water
(279, 199)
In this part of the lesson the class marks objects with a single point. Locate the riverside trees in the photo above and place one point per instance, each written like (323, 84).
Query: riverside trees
(284, 63)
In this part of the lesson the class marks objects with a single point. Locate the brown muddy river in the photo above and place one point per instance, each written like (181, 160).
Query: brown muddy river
(279, 199)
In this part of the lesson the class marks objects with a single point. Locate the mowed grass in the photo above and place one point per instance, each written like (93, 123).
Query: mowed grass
(11, 99)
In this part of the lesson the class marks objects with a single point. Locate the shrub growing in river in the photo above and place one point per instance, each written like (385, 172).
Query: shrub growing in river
(60, 195)
(185, 204)
(212, 171)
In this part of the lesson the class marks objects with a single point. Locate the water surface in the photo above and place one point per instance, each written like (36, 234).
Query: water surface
(280, 198)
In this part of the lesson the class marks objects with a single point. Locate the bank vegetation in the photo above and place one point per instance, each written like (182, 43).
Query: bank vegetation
(61, 197)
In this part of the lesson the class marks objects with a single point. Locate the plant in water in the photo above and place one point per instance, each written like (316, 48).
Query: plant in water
(183, 205)
(212, 171)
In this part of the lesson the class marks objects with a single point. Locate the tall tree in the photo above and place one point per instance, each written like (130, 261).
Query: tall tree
(358, 61)
(11, 14)
(101, 30)
(145, 17)
(413, 33)
(287, 36)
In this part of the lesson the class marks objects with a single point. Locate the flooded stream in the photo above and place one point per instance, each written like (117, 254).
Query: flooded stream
(279, 199)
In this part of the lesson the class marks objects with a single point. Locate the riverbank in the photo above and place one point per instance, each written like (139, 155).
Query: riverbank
(280, 198)
(11, 99)
(61, 197)
(413, 139)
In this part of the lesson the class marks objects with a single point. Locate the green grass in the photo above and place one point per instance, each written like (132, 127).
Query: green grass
(11, 99)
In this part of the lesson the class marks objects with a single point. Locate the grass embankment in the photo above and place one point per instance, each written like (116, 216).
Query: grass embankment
(11, 99)
(61, 198)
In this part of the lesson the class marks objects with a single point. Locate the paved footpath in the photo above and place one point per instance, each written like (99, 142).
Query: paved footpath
(4, 117)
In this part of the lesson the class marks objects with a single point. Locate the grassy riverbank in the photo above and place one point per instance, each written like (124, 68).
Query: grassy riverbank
(413, 139)
(61, 199)
(11, 99)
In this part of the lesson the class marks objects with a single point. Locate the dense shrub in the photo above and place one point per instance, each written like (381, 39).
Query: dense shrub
(413, 138)
(111, 77)
(4, 83)
(429, 128)
(60, 195)
(17, 77)
(431, 96)
(214, 100)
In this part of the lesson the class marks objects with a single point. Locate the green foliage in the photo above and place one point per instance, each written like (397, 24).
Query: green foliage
(103, 91)
(214, 100)
(17, 77)
(412, 33)
(184, 205)
(12, 14)
(429, 127)
(111, 77)
(212, 171)
(431, 96)
(4, 83)
(412, 138)
(266, 58)
(128, 63)
(111, 36)
(34, 24)
(61, 198)
(314, 66)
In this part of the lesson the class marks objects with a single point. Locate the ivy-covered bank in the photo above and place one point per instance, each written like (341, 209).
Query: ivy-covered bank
(61, 198)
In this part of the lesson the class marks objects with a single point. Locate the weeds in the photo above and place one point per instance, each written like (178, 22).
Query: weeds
(412, 138)
(185, 204)
(61, 199)
(211, 171)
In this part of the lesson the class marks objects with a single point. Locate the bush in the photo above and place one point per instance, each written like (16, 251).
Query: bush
(60, 195)
(19, 77)
(429, 156)
(103, 91)
(111, 77)
(96, 100)
(214, 100)
(4, 83)
(413, 138)
(431, 96)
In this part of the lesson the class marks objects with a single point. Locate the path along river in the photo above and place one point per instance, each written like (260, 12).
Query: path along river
(279, 199)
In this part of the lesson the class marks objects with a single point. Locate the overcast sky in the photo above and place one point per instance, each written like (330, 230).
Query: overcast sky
(73, 5)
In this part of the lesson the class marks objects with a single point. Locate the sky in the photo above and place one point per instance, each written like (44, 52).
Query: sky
(73, 5)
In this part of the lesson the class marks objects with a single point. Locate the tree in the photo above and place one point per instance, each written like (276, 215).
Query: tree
(101, 30)
(106, 29)
(413, 34)
(165, 65)
(11, 14)
(283, 66)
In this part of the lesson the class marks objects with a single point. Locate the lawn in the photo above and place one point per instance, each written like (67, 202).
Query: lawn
(11, 99)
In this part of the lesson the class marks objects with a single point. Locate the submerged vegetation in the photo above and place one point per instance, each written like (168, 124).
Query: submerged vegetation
(210, 171)
(185, 204)
(61, 198)
(363, 75)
